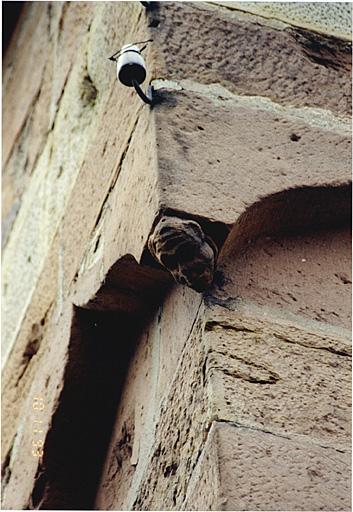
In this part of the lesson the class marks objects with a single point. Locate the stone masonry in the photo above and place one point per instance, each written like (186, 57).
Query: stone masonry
(123, 389)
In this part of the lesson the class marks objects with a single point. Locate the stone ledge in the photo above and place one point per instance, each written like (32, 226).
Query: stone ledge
(236, 155)
(243, 469)
(222, 97)
(290, 66)
(330, 18)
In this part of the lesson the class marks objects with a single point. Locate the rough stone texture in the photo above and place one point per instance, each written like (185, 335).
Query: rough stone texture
(334, 18)
(312, 275)
(279, 383)
(151, 390)
(56, 243)
(290, 66)
(287, 475)
(249, 160)
(228, 462)
(204, 486)
(57, 170)
(180, 433)
(34, 99)
(282, 376)
(145, 405)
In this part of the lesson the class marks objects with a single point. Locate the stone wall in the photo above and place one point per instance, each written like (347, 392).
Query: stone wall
(123, 390)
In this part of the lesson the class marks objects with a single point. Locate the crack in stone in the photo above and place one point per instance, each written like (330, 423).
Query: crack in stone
(215, 325)
(6, 470)
(215, 419)
(332, 350)
(58, 101)
(23, 125)
(116, 173)
(295, 438)
(271, 378)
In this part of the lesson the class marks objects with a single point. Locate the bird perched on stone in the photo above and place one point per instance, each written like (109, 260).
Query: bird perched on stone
(185, 251)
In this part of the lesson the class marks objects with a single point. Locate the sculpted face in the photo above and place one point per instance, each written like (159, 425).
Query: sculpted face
(183, 249)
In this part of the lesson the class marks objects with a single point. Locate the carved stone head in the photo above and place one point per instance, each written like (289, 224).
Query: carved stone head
(182, 248)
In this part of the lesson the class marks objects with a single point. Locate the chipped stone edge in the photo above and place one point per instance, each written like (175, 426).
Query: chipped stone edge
(243, 310)
(197, 471)
(277, 21)
(219, 95)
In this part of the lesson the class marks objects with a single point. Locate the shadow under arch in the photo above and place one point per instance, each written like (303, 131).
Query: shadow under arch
(295, 210)
(103, 337)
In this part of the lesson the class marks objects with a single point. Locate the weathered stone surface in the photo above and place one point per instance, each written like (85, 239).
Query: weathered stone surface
(149, 390)
(19, 373)
(252, 369)
(52, 57)
(21, 85)
(236, 162)
(308, 275)
(69, 379)
(332, 18)
(250, 139)
(46, 385)
(42, 278)
(205, 44)
(259, 471)
(176, 317)
(59, 274)
(180, 434)
(203, 491)
(57, 179)
(279, 375)
(245, 469)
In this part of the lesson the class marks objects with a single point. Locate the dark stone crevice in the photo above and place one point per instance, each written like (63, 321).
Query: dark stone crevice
(11, 12)
(6, 470)
(104, 336)
(88, 91)
(101, 345)
(33, 345)
(327, 51)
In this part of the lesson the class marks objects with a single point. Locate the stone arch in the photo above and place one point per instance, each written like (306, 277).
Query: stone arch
(281, 247)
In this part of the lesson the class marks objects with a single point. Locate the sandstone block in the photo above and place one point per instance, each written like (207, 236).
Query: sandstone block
(330, 19)
(248, 56)
(285, 273)
(261, 471)
(210, 147)
(279, 376)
